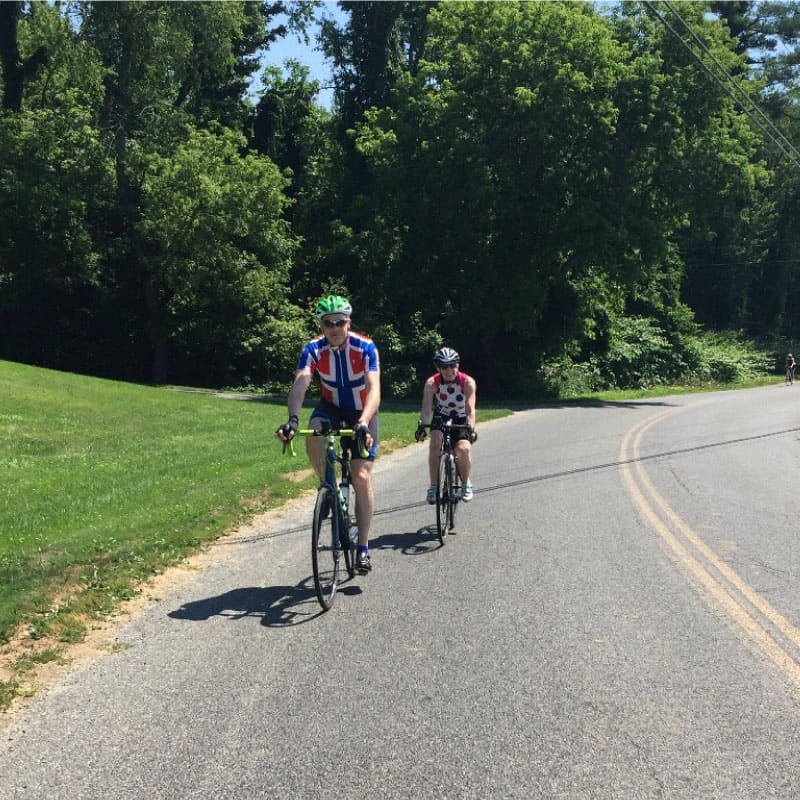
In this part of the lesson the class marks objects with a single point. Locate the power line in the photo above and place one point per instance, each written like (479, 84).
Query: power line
(741, 263)
(788, 152)
(733, 81)
(791, 152)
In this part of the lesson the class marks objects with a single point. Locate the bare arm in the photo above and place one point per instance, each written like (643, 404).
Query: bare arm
(426, 412)
(470, 395)
(372, 400)
(302, 380)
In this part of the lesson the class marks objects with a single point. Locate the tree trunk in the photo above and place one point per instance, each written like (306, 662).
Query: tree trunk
(15, 71)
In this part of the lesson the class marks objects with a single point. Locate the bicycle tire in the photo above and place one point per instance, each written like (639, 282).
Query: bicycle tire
(453, 494)
(349, 543)
(326, 550)
(442, 499)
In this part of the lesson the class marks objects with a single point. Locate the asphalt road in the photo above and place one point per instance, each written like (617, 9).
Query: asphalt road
(616, 617)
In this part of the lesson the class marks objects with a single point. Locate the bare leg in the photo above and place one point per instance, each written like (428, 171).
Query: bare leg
(433, 455)
(361, 475)
(315, 449)
(464, 456)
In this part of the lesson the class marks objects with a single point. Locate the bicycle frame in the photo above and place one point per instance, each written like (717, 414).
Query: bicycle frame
(332, 458)
(341, 538)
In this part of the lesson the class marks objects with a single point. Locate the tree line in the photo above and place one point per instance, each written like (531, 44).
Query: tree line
(555, 189)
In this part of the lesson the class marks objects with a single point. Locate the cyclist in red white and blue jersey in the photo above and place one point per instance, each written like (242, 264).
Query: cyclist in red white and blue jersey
(348, 367)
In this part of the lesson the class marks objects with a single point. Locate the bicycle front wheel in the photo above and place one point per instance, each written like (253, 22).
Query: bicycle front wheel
(442, 498)
(326, 551)
(349, 537)
(454, 494)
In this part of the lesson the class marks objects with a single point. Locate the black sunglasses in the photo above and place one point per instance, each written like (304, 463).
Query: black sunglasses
(335, 323)
(446, 366)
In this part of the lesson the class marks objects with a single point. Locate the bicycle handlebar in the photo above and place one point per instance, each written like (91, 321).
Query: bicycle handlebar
(446, 426)
(449, 424)
(360, 444)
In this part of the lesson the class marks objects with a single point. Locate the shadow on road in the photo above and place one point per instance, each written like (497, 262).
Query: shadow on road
(593, 403)
(416, 543)
(286, 606)
(278, 606)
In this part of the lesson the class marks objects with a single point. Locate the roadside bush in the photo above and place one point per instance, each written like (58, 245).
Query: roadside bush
(406, 358)
(728, 357)
(642, 355)
(560, 377)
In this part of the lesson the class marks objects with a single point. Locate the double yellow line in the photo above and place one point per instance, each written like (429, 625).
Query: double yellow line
(753, 619)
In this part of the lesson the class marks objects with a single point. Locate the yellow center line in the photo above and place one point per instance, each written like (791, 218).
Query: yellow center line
(716, 591)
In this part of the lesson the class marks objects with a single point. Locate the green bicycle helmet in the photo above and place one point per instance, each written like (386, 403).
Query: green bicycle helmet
(333, 304)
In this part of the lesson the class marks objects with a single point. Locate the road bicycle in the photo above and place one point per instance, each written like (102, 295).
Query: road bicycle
(334, 535)
(448, 481)
(789, 375)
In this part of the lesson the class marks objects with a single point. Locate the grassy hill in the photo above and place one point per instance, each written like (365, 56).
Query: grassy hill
(104, 483)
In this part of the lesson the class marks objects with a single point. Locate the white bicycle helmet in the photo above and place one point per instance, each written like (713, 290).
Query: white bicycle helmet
(446, 355)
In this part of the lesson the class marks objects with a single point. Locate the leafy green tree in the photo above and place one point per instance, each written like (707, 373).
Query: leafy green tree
(50, 282)
(215, 236)
(56, 185)
(763, 260)
(536, 173)
(288, 126)
(723, 189)
(494, 165)
(379, 41)
(170, 66)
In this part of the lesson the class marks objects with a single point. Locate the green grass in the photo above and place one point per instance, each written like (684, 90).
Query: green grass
(104, 484)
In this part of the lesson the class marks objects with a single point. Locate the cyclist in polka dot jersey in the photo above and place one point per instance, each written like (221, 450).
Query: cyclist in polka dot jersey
(449, 393)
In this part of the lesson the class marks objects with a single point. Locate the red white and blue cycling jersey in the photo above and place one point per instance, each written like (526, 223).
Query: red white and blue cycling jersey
(342, 372)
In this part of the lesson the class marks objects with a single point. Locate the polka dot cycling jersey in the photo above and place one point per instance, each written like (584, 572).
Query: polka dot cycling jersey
(448, 398)
(343, 371)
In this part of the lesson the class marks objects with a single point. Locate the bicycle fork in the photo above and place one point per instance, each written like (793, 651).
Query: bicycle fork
(347, 533)
(453, 474)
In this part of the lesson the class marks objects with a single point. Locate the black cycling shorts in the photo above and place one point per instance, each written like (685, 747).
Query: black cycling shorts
(339, 418)
(457, 434)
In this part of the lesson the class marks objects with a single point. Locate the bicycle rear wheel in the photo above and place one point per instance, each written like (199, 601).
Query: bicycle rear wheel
(442, 498)
(326, 550)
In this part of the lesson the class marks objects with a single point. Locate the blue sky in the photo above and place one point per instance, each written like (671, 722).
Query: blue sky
(291, 47)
